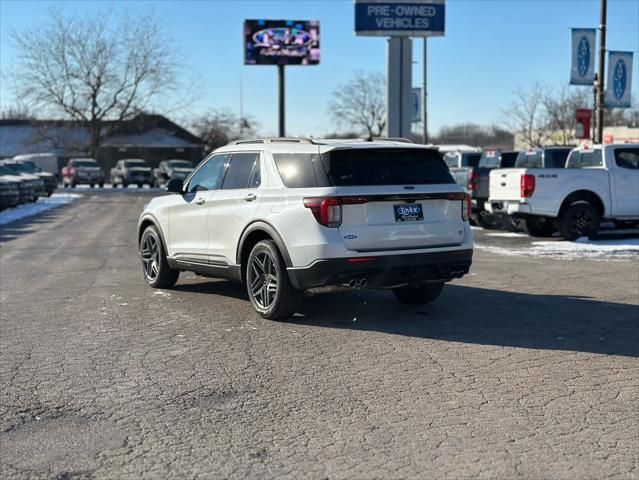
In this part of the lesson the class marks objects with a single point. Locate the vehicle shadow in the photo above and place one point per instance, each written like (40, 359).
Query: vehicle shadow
(213, 286)
(12, 230)
(486, 317)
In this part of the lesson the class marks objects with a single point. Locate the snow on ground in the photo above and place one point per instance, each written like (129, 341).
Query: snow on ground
(30, 209)
(622, 249)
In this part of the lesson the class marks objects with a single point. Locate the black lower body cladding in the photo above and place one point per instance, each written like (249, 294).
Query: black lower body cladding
(384, 271)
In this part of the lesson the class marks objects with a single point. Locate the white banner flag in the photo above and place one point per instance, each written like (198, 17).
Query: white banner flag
(582, 70)
(619, 82)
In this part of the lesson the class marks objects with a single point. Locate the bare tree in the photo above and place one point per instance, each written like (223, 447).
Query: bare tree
(561, 107)
(527, 115)
(92, 69)
(16, 112)
(219, 127)
(360, 104)
(473, 134)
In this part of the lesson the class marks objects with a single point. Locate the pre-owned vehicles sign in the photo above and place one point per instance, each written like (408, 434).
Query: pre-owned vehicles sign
(410, 18)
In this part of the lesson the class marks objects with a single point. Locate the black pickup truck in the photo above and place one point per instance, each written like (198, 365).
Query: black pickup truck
(490, 159)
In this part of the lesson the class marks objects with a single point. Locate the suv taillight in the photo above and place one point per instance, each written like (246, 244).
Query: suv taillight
(326, 210)
(527, 186)
(466, 208)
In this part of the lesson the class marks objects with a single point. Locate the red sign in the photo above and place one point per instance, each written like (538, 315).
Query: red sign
(582, 125)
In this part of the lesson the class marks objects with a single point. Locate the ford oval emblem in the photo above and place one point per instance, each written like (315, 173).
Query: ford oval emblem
(350, 237)
(409, 187)
(583, 56)
(619, 79)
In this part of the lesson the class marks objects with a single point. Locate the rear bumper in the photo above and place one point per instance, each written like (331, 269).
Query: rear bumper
(507, 207)
(386, 270)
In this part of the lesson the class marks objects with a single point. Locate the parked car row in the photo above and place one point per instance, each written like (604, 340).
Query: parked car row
(550, 189)
(19, 185)
(128, 171)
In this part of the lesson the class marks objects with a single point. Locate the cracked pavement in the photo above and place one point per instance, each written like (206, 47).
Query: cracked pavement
(527, 368)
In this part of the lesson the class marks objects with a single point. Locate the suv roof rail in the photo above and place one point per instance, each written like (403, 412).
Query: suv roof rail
(274, 140)
(391, 139)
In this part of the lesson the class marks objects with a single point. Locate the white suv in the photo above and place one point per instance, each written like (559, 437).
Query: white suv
(287, 215)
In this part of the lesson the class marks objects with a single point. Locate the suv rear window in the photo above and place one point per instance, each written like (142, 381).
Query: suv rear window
(556, 158)
(385, 166)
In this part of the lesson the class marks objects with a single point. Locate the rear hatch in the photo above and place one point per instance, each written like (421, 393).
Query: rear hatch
(395, 198)
(505, 184)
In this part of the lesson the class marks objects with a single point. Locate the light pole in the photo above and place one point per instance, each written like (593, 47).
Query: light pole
(602, 69)
(425, 90)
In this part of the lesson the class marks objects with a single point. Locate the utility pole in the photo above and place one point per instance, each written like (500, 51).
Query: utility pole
(425, 90)
(602, 69)
(280, 74)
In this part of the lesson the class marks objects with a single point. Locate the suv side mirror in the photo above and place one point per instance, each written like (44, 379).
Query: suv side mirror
(175, 185)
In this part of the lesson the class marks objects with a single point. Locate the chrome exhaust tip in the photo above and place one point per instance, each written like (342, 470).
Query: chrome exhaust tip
(352, 283)
(363, 282)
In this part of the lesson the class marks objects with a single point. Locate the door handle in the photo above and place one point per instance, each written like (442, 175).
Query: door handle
(250, 197)
(200, 201)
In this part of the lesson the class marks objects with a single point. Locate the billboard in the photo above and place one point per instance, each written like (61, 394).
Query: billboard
(582, 69)
(400, 18)
(281, 42)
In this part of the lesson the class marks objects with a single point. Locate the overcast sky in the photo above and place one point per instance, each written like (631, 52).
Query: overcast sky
(490, 48)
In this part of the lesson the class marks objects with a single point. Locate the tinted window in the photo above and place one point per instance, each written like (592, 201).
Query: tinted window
(529, 159)
(627, 158)
(296, 169)
(179, 164)
(470, 159)
(556, 158)
(508, 159)
(135, 163)
(489, 158)
(4, 170)
(239, 170)
(209, 176)
(584, 158)
(385, 166)
(84, 163)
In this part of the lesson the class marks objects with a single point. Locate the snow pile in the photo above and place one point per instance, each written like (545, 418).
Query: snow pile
(30, 209)
(582, 248)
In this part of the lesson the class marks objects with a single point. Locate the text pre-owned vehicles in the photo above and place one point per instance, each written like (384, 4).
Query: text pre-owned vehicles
(29, 167)
(131, 171)
(286, 215)
(9, 193)
(35, 185)
(25, 187)
(82, 171)
(168, 169)
(598, 182)
(490, 159)
(546, 157)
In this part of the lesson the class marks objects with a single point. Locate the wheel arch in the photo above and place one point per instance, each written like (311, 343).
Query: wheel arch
(146, 221)
(254, 233)
(583, 195)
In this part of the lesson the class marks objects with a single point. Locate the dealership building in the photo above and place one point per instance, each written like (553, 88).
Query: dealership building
(151, 137)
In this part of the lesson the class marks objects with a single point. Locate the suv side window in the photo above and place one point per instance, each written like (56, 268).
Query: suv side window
(296, 169)
(627, 158)
(208, 176)
(240, 169)
(574, 160)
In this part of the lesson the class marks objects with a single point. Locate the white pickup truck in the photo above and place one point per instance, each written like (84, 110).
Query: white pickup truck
(599, 181)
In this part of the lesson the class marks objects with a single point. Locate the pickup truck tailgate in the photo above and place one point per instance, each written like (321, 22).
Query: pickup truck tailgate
(505, 184)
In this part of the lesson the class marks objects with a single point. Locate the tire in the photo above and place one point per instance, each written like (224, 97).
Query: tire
(418, 294)
(487, 220)
(267, 283)
(155, 269)
(124, 184)
(539, 226)
(579, 220)
(101, 184)
(72, 184)
(140, 185)
(92, 185)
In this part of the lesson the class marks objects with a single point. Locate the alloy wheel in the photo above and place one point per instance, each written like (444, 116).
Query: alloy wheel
(263, 281)
(150, 254)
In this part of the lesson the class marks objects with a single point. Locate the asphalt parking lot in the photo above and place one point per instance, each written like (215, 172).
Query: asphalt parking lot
(527, 368)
